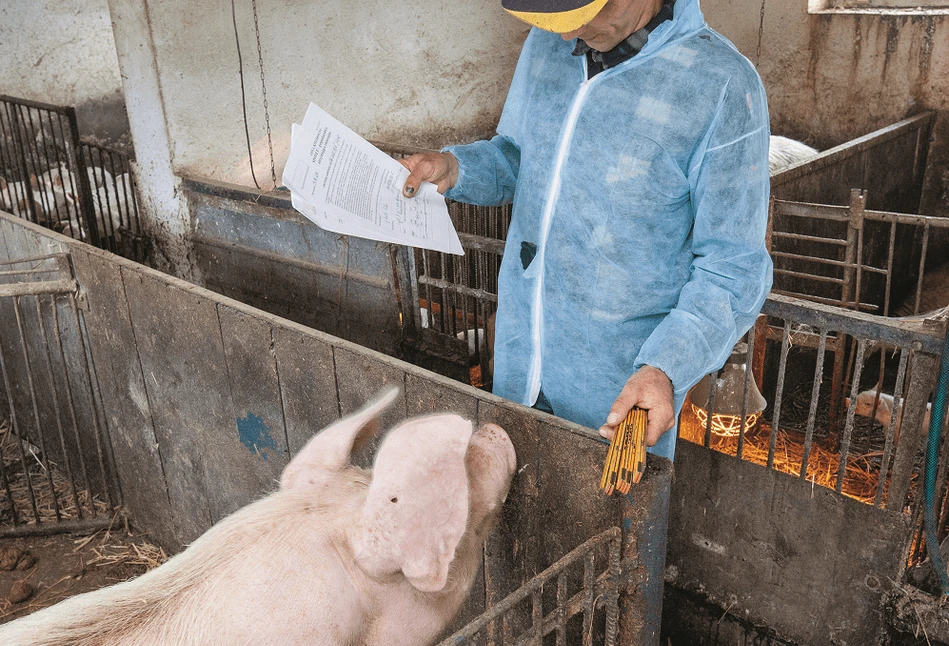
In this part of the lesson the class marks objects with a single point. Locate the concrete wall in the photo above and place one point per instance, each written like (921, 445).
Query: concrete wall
(837, 75)
(423, 73)
(62, 52)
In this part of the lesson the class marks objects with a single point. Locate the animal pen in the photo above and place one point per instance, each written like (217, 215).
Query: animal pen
(209, 397)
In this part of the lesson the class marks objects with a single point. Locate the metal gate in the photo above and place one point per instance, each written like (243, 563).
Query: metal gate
(55, 463)
(48, 175)
(582, 606)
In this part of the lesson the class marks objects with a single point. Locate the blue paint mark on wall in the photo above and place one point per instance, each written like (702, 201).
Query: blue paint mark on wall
(255, 435)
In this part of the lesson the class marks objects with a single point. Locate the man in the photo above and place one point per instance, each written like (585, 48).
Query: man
(634, 146)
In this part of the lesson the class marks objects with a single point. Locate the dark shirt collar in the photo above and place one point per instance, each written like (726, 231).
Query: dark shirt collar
(627, 48)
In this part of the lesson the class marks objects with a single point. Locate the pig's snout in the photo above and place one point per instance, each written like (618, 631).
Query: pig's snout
(495, 440)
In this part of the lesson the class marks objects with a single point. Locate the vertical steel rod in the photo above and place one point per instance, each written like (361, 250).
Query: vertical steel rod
(779, 392)
(895, 414)
(96, 422)
(848, 427)
(41, 436)
(72, 410)
(58, 415)
(815, 397)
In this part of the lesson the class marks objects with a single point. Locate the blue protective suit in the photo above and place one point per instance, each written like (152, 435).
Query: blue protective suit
(645, 191)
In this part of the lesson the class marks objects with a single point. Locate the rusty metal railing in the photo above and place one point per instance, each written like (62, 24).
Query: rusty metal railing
(55, 462)
(596, 602)
(457, 295)
(49, 176)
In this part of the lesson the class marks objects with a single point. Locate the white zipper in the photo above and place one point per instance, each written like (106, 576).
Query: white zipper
(552, 195)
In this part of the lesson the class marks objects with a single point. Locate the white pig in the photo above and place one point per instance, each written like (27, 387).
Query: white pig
(884, 409)
(336, 556)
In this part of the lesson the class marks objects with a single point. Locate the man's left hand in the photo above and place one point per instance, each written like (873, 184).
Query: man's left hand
(650, 389)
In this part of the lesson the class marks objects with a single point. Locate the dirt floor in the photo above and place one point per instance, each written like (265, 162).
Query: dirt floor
(50, 569)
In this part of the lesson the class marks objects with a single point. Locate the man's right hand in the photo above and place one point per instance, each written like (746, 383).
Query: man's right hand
(441, 169)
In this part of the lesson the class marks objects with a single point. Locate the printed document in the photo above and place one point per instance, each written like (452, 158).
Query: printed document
(344, 184)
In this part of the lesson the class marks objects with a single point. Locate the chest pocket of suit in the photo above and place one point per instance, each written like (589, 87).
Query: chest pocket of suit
(645, 174)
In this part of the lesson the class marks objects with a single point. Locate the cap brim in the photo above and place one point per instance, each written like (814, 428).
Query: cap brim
(560, 22)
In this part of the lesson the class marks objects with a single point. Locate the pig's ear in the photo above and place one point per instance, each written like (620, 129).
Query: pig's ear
(417, 506)
(330, 449)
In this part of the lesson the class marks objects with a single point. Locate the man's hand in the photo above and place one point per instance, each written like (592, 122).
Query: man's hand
(650, 389)
(441, 169)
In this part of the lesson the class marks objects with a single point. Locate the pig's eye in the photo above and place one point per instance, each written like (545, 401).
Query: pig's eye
(394, 500)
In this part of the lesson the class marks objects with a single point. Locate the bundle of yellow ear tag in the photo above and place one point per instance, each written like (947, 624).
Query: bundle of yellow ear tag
(626, 459)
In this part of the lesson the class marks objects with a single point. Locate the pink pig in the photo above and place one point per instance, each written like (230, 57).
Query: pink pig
(336, 556)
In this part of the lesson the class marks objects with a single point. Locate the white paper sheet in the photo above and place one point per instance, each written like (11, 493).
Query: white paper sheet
(344, 184)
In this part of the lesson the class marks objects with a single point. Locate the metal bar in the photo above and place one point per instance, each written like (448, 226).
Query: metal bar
(806, 238)
(848, 425)
(584, 550)
(906, 218)
(823, 261)
(461, 289)
(96, 422)
(749, 358)
(31, 386)
(76, 527)
(18, 143)
(19, 435)
(72, 409)
(810, 210)
(77, 207)
(97, 397)
(818, 299)
(561, 609)
(32, 104)
(922, 371)
(474, 242)
(84, 196)
(815, 397)
(588, 598)
(612, 596)
(55, 399)
(815, 277)
(891, 427)
(858, 200)
(891, 250)
(779, 392)
(710, 407)
(39, 287)
(891, 331)
(922, 268)
(14, 430)
(537, 617)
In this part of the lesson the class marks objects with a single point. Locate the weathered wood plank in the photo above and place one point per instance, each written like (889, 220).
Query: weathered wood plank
(514, 551)
(254, 451)
(760, 541)
(128, 414)
(179, 342)
(436, 394)
(307, 384)
(572, 508)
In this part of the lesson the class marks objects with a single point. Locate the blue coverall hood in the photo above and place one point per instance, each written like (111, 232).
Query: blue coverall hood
(645, 192)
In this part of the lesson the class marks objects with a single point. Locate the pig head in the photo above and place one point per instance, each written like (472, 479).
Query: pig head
(337, 555)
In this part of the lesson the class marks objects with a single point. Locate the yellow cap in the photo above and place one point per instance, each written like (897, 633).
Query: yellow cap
(559, 16)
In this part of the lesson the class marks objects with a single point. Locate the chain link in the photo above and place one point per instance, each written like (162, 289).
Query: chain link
(263, 87)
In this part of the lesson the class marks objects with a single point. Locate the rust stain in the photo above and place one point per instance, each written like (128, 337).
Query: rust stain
(893, 25)
(921, 87)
